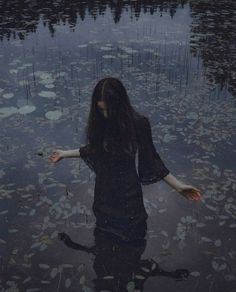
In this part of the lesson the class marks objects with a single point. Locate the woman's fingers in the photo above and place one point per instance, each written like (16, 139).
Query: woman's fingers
(196, 192)
(54, 157)
(192, 194)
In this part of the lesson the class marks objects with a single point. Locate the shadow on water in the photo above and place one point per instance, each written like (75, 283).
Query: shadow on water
(118, 264)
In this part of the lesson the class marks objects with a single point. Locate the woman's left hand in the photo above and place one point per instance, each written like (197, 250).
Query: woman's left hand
(190, 192)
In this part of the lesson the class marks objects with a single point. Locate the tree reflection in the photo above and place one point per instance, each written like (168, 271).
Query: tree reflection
(118, 264)
(18, 18)
(213, 38)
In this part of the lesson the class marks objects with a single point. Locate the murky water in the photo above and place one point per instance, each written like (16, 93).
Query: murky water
(177, 60)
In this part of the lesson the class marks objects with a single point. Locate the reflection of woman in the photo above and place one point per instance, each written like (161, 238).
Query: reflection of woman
(118, 264)
(115, 132)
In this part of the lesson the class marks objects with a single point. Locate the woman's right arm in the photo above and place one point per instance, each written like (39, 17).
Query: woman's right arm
(70, 153)
(84, 152)
(58, 154)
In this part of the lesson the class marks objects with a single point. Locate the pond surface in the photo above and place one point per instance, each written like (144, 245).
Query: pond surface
(177, 60)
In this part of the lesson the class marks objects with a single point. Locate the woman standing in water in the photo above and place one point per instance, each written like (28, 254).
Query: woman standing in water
(115, 132)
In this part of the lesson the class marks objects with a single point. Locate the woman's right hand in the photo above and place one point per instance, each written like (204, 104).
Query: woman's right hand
(56, 155)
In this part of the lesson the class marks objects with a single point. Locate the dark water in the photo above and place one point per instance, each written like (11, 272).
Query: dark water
(177, 60)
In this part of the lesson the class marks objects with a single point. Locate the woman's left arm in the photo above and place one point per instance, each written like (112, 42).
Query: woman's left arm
(188, 191)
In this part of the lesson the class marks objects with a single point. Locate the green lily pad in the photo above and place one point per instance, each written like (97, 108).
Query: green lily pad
(8, 95)
(49, 94)
(26, 109)
(8, 111)
(53, 115)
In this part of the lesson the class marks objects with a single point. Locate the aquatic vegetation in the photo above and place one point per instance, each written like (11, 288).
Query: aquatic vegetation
(53, 115)
(179, 72)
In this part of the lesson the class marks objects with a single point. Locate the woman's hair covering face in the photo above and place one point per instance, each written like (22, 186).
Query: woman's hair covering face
(117, 130)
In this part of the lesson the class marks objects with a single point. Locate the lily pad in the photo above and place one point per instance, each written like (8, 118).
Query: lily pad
(82, 46)
(8, 95)
(53, 115)
(45, 76)
(8, 111)
(26, 109)
(49, 94)
(108, 57)
(50, 85)
(105, 48)
(217, 242)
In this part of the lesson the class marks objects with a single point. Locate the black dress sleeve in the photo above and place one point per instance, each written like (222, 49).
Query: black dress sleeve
(89, 156)
(151, 168)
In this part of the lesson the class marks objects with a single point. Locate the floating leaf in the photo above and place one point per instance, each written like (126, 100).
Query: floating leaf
(130, 286)
(27, 280)
(139, 277)
(8, 95)
(218, 267)
(108, 57)
(53, 115)
(43, 247)
(26, 109)
(12, 230)
(200, 224)
(105, 48)
(45, 75)
(36, 244)
(206, 239)
(217, 242)
(13, 71)
(67, 283)
(8, 111)
(163, 232)
(54, 272)
(44, 266)
(49, 86)
(221, 223)
(211, 207)
(82, 280)
(108, 277)
(49, 94)
(162, 210)
(2, 241)
(32, 212)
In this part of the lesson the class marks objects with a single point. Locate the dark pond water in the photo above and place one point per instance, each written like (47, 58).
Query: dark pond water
(177, 60)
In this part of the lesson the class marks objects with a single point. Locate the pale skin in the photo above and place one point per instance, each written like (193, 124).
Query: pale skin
(188, 191)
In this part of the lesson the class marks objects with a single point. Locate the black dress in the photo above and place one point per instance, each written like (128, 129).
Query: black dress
(118, 198)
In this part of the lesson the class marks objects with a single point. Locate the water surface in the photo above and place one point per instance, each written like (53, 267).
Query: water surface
(177, 60)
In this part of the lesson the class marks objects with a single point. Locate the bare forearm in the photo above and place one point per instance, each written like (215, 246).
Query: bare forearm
(173, 182)
(70, 153)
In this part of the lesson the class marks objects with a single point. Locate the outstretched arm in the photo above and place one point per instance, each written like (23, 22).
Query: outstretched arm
(188, 191)
(70, 153)
(57, 154)
(87, 153)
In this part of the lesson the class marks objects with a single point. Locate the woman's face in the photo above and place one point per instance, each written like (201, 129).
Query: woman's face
(102, 107)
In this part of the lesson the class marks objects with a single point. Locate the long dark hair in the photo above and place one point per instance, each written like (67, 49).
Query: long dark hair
(117, 131)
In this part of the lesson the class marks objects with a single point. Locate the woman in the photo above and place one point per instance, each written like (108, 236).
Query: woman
(115, 132)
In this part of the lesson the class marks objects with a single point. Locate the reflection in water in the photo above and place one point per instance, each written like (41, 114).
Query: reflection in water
(20, 17)
(118, 264)
(213, 35)
(212, 30)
